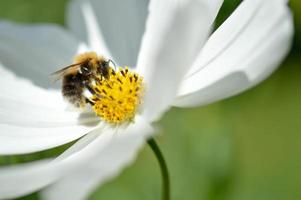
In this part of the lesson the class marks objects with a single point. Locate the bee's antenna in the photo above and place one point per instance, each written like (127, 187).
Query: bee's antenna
(112, 63)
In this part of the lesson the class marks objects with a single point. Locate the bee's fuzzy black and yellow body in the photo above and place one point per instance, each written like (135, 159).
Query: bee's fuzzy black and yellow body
(73, 88)
(77, 77)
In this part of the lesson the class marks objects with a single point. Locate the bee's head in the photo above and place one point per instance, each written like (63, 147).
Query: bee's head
(87, 69)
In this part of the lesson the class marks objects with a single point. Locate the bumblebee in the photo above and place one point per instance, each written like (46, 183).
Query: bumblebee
(78, 77)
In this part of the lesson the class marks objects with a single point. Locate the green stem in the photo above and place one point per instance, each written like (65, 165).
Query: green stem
(164, 171)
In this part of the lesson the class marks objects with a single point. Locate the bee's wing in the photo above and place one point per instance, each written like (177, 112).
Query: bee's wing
(66, 70)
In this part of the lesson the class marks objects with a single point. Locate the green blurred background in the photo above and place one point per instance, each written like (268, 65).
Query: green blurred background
(243, 148)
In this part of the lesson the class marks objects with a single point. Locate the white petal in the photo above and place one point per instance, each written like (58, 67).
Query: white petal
(23, 90)
(109, 23)
(118, 149)
(20, 140)
(34, 119)
(20, 99)
(175, 32)
(100, 155)
(23, 179)
(18, 113)
(35, 51)
(242, 52)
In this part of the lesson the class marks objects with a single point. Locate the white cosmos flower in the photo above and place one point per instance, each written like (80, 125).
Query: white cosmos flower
(182, 64)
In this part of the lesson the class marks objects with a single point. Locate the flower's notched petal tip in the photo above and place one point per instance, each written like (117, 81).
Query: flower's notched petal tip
(250, 44)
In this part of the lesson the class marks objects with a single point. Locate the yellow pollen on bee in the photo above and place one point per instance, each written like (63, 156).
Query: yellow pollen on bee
(118, 97)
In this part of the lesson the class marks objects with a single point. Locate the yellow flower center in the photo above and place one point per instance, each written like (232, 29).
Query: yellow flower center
(117, 98)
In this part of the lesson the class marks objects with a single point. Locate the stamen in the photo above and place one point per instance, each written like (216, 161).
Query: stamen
(117, 98)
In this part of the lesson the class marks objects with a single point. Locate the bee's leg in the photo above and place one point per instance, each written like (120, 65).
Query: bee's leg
(90, 102)
(88, 93)
(90, 89)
